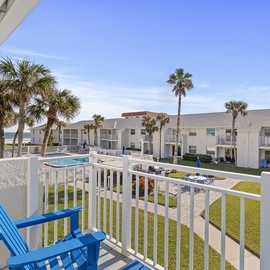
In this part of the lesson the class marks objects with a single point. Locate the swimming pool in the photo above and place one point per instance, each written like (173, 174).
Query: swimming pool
(67, 162)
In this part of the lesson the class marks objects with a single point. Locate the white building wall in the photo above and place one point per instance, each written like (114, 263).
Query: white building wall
(13, 194)
(248, 149)
(37, 136)
(201, 140)
(134, 138)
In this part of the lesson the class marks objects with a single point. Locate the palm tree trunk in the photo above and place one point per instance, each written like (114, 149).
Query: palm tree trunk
(150, 144)
(177, 130)
(21, 124)
(95, 140)
(59, 131)
(46, 137)
(2, 140)
(160, 142)
(89, 137)
(14, 141)
(233, 132)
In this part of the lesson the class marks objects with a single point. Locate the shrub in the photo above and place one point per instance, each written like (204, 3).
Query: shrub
(193, 157)
(114, 176)
(151, 185)
(133, 149)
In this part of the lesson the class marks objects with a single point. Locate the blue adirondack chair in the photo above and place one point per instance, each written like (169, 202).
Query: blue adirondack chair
(265, 164)
(75, 249)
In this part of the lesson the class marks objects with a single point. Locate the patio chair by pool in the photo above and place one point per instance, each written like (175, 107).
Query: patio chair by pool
(75, 248)
(265, 164)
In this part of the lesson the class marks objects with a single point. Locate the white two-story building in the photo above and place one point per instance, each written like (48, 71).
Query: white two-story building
(207, 133)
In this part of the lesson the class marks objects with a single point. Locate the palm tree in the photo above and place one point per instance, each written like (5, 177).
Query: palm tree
(61, 104)
(7, 103)
(29, 122)
(25, 80)
(235, 107)
(163, 119)
(88, 127)
(182, 82)
(149, 124)
(98, 119)
(60, 124)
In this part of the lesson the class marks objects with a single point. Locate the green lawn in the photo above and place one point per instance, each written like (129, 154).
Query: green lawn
(252, 213)
(219, 167)
(214, 257)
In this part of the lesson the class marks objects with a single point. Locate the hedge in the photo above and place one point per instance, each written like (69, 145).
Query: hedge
(193, 157)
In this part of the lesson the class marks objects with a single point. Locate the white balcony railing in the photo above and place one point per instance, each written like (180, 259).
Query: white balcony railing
(98, 187)
(265, 141)
(111, 137)
(225, 140)
(172, 139)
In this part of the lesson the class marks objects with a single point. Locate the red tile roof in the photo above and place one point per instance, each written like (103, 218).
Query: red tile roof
(142, 113)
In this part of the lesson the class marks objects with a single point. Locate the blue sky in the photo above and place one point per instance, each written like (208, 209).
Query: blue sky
(116, 56)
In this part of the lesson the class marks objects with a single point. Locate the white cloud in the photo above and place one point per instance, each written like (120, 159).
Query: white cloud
(21, 52)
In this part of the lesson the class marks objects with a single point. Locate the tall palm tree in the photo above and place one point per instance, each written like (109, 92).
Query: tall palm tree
(235, 107)
(61, 104)
(7, 103)
(98, 119)
(182, 82)
(88, 128)
(60, 124)
(163, 119)
(149, 124)
(25, 80)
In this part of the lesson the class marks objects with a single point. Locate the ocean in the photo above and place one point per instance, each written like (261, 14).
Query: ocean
(10, 135)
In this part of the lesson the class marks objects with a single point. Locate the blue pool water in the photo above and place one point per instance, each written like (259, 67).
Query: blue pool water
(67, 162)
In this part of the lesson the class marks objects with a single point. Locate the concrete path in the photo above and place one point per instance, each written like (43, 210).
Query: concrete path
(232, 252)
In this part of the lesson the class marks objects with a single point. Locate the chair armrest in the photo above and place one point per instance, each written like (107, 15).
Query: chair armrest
(43, 218)
(56, 250)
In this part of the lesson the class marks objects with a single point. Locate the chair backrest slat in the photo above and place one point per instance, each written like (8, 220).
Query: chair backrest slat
(10, 235)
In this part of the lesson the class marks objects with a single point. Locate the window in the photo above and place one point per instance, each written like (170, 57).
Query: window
(210, 132)
(33, 132)
(40, 132)
(192, 149)
(132, 131)
(267, 155)
(210, 151)
(132, 145)
(33, 139)
(192, 132)
(143, 132)
(267, 132)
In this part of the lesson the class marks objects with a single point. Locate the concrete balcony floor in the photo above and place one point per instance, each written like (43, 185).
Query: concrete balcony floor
(110, 257)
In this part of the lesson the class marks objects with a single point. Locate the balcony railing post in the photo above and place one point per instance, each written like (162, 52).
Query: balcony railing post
(265, 221)
(126, 206)
(32, 200)
(92, 191)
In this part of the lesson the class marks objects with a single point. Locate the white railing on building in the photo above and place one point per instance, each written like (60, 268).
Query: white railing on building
(264, 141)
(102, 181)
(111, 137)
(225, 140)
(172, 139)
